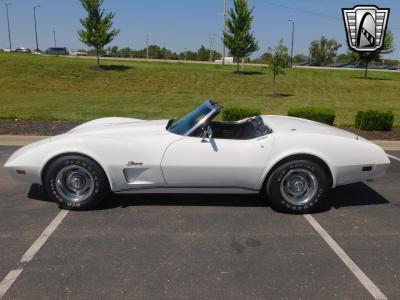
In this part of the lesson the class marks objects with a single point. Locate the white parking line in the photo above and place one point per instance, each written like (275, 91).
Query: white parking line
(30, 253)
(357, 272)
(393, 157)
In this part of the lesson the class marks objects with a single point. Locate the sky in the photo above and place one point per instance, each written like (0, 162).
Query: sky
(186, 24)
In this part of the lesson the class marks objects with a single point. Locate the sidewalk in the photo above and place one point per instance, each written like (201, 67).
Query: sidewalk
(21, 140)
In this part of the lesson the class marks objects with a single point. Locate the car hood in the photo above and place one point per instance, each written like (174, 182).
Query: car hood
(284, 124)
(116, 126)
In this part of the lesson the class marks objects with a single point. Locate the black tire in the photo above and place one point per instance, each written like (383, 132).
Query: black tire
(86, 174)
(305, 177)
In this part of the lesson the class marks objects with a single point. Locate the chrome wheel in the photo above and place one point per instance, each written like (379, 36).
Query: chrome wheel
(299, 186)
(74, 183)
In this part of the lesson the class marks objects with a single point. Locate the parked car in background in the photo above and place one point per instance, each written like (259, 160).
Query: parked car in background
(228, 60)
(23, 50)
(57, 51)
(78, 53)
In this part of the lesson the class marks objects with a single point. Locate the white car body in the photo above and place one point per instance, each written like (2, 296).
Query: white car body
(139, 155)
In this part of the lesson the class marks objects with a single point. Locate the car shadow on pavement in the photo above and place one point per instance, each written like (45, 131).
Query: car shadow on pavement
(358, 194)
(227, 200)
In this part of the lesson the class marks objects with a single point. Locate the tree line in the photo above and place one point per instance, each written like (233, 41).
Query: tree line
(324, 52)
(97, 32)
(157, 52)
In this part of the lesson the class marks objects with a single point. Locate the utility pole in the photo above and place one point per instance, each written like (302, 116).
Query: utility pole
(55, 40)
(185, 54)
(8, 23)
(147, 46)
(223, 44)
(291, 51)
(212, 42)
(36, 35)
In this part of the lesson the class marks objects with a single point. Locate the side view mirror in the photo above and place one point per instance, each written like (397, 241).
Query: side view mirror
(207, 133)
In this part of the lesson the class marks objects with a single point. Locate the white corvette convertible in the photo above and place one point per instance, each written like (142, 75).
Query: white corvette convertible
(294, 162)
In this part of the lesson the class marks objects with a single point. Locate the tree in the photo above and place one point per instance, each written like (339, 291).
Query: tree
(203, 54)
(189, 55)
(365, 58)
(97, 26)
(344, 58)
(265, 58)
(238, 38)
(125, 52)
(300, 58)
(113, 51)
(278, 62)
(324, 50)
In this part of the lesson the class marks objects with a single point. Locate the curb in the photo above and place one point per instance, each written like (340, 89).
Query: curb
(22, 140)
(19, 140)
(388, 145)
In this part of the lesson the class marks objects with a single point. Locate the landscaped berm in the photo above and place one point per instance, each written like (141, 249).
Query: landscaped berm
(63, 88)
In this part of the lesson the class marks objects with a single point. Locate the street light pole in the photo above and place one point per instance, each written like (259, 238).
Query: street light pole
(8, 23)
(291, 51)
(36, 35)
(147, 46)
(212, 41)
(223, 42)
(55, 40)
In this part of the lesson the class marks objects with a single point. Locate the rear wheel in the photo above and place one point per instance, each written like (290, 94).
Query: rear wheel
(76, 182)
(297, 186)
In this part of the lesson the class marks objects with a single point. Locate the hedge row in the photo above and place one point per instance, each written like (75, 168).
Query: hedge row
(365, 120)
(374, 120)
(318, 114)
(239, 113)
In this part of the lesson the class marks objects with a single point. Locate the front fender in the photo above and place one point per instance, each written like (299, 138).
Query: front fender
(34, 157)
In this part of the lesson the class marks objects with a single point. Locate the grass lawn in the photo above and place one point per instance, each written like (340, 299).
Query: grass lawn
(58, 88)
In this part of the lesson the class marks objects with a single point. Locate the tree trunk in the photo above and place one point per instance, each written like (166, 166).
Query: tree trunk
(366, 70)
(237, 64)
(98, 56)
(273, 85)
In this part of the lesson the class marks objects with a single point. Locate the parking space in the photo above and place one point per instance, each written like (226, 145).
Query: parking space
(21, 219)
(202, 246)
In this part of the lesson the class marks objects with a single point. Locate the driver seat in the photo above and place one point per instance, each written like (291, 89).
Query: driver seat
(254, 128)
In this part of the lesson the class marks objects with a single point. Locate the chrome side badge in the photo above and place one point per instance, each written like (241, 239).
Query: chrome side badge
(134, 164)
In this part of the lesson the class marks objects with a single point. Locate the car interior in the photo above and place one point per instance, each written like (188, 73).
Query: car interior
(241, 130)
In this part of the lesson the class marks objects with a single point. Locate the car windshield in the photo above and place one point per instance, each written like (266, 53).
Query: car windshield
(187, 122)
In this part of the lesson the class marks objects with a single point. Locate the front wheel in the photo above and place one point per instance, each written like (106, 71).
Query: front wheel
(76, 182)
(297, 186)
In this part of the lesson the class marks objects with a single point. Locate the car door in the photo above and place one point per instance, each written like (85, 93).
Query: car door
(197, 162)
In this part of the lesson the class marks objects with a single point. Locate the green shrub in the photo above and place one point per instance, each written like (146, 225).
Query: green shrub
(239, 113)
(374, 120)
(318, 114)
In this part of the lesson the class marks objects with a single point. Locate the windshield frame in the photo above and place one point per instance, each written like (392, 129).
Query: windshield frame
(214, 110)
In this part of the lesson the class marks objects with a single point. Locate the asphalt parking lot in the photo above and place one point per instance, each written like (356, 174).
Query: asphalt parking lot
(201, 246)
